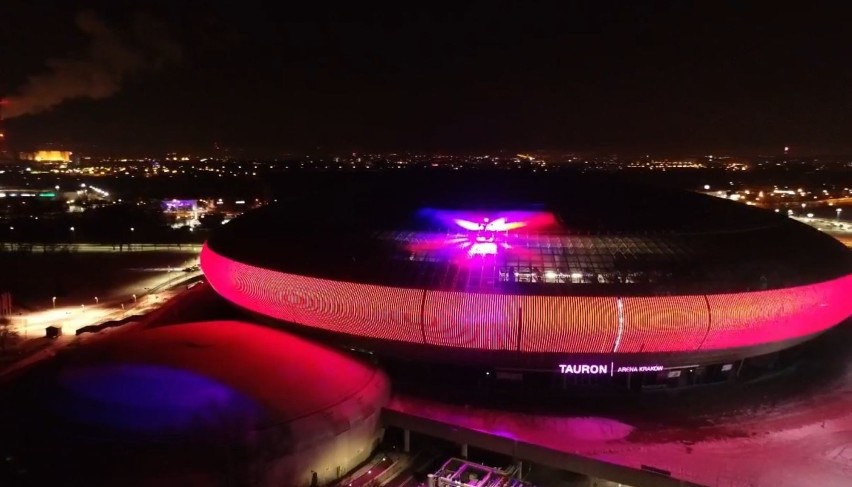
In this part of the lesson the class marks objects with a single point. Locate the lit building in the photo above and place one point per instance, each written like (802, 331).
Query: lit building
(62, 156)
(640, 288)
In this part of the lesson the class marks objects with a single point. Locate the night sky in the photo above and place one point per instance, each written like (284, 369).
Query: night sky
(664, 77)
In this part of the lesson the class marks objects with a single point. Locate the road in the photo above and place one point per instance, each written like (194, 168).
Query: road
(95, 247)
(138, 297)
(367, 475)
(839, 229)
(31, 326)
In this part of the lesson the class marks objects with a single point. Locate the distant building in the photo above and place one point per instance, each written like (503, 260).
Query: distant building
(13, 193)
(3, 153)
(47, 156)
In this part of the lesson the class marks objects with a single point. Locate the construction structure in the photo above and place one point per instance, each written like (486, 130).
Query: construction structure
(457, 472)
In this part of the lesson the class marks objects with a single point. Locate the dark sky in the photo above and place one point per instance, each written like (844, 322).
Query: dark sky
(589, 76)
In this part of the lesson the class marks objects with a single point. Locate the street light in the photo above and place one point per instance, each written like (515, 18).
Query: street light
(839, 210)
(134, 298)
(96, 300)
(54, 302)
(72, 229)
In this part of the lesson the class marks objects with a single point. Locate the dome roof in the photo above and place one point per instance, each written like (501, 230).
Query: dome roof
(187, 400)
(197, 378)
(560, 235)
(166, 377)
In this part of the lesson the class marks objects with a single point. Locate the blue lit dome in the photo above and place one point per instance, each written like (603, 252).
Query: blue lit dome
(272, 404)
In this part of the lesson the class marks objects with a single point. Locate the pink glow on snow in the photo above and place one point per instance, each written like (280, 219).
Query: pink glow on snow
(795, 443)
(567, 324)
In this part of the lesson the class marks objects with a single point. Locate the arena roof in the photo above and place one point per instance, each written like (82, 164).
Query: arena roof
(274, 387)
(531, 235)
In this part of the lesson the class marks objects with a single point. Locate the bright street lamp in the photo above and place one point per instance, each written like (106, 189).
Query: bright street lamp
(54, 302)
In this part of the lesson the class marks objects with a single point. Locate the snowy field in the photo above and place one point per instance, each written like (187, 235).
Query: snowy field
(781, 434)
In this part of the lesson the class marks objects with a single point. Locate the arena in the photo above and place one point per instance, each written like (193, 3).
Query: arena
(563, 277)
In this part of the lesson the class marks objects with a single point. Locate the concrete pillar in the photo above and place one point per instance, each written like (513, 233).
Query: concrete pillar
(464, 450)
(406, 441)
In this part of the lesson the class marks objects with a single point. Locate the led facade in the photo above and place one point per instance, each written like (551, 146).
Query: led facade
(533, 324)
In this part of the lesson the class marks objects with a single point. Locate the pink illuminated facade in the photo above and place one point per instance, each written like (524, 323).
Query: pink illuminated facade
(534, 324)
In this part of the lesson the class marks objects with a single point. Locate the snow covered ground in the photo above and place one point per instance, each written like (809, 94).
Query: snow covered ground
(762, 440)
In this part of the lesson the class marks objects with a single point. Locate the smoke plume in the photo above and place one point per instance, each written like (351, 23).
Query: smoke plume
(109, 59)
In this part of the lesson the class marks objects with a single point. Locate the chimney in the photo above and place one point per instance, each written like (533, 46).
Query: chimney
(3, 152)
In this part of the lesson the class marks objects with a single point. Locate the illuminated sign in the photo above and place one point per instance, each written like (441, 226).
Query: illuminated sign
(585, 368)
(600, 369)
(641, 368)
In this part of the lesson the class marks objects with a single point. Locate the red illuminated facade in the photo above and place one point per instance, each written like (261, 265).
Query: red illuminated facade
(522, 324)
